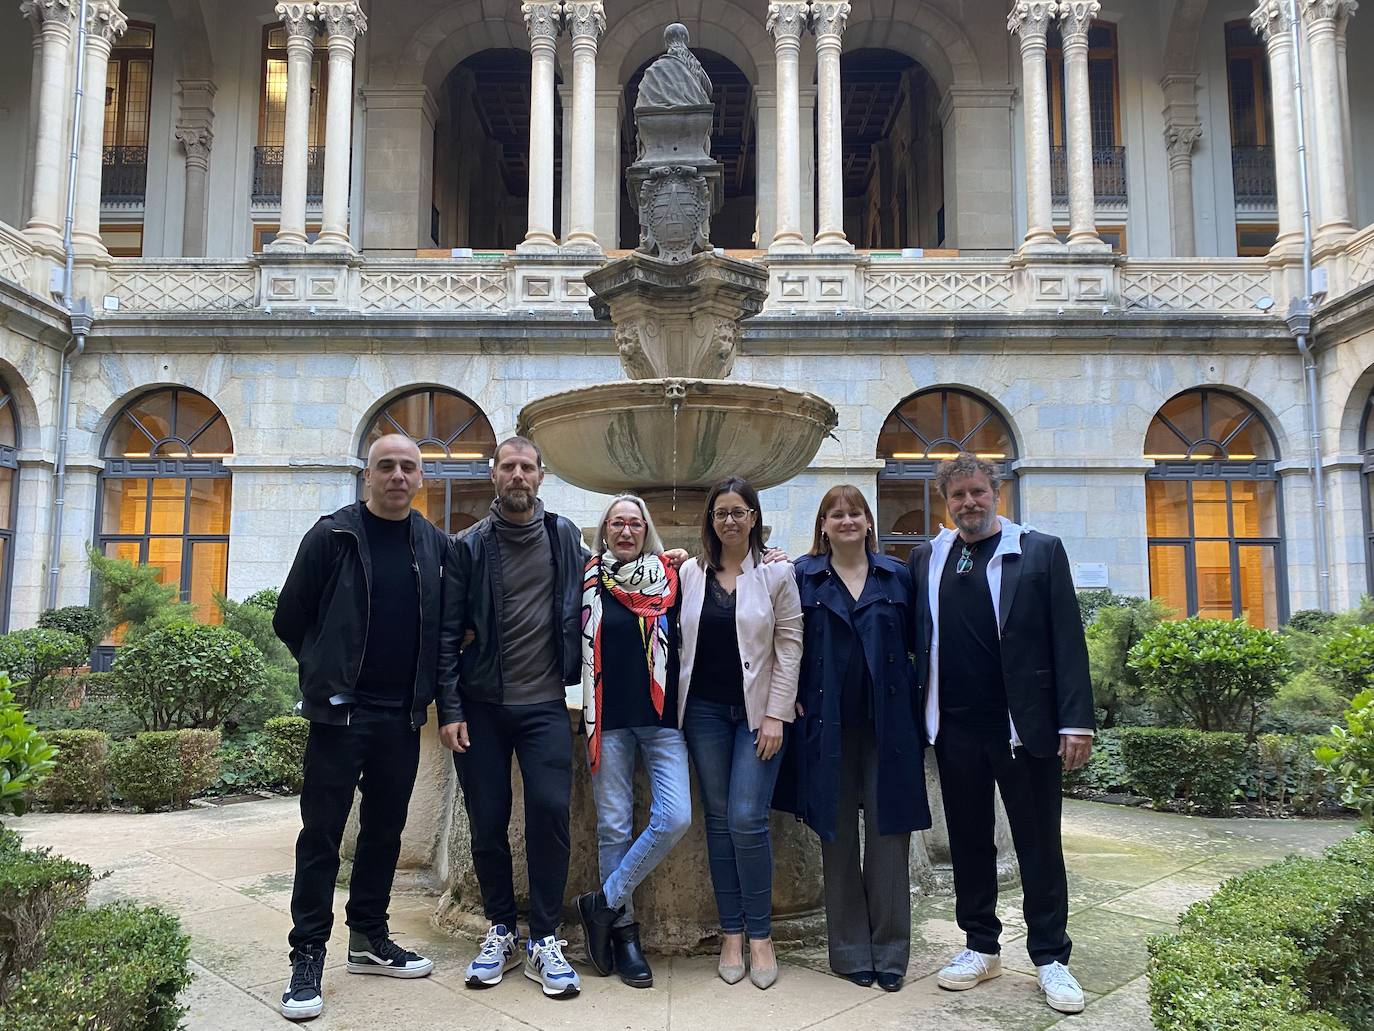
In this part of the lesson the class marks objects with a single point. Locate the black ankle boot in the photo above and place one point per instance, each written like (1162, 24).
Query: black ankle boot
(597, 918)
(629, 957)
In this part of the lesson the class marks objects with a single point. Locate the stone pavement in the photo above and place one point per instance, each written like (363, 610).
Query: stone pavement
(227, 873)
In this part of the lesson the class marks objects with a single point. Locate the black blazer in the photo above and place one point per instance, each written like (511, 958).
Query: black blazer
(1044, 655)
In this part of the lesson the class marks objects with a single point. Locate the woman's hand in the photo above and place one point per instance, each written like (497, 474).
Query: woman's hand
(675, 557)
(801, 710)
(768, 740)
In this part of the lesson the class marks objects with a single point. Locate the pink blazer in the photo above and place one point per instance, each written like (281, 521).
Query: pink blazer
(768, 623)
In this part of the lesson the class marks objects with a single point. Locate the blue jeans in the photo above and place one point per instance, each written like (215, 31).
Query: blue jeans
(736, 792)
(624, 859)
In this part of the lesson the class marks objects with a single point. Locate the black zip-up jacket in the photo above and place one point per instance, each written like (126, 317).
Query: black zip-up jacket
(325, 607)
(471, 590)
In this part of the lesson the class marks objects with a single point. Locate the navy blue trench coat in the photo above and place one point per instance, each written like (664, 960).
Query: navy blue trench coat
(882, 623)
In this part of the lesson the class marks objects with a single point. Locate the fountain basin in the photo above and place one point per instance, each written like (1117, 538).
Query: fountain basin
(686, 433)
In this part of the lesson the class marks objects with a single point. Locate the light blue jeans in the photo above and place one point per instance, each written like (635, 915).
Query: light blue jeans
(624, 859)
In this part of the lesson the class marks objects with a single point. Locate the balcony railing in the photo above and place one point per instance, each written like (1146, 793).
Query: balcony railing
(124, 175)
(267, 165)
(1109, 174)
(1252, 172)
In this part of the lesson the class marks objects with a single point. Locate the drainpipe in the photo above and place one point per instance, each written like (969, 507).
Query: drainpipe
(1299, 320)
(79, 318)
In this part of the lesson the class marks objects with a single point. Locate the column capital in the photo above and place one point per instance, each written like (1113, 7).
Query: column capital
(296, 16)
(42, 12)
(105, 21)
(1180, 139)
(543, 18)
(341, 20)
(585, 19)
(829, 18)
(196, 140)
(1270, 21)
(1076, 17)
(786, 21)
(1030, 19)
(1321, 11)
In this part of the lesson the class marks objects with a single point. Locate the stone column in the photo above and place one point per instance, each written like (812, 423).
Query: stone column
(1343, 83)
(977, 161)
(1179, 138)
(608, 115)
(1270, 22)
(57, 19)
(586, 21)
(341, 24)
(786, 23)
(29, 10)
(196, 141)
(300, 52)
(542, 20)
(105, 24)
(1030, 19)
(829, 20)
(1075, 17)
(1328, 146)
(398, 191)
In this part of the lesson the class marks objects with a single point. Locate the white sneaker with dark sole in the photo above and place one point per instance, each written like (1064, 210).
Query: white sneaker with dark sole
(1062, 990)
(546, 966)
(968, 970)
(499, 953)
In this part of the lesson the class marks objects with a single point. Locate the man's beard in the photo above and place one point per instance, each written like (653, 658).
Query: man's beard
(518, 499)
(986, 521)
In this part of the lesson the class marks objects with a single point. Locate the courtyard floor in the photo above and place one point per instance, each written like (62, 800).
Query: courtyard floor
(227, 873)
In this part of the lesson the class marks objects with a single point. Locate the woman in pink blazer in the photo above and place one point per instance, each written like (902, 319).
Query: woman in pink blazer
(737, 689)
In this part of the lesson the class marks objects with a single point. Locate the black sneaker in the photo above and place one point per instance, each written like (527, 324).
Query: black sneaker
(381, 955)
(302, 999)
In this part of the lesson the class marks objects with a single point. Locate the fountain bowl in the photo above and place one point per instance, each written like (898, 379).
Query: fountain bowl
(652, 434)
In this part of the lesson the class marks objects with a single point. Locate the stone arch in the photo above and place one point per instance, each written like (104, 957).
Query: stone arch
(457, 32)
(726, 27)
(369, 415)
(927, 35)
(28, 427)
(1183, 36)
(197, 61)
(1351, 413)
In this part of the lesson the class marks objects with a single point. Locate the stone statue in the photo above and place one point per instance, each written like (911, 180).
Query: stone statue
(676, 79)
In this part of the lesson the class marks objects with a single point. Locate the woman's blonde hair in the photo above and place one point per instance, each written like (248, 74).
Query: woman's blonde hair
(653, 544)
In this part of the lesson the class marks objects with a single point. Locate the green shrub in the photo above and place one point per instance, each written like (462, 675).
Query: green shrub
(1104, 771)
(25, 756)
(108, 715)
(116, 968)
(1204, 769)
(83, 621)
(1349, 755)
(133, 598)
(1283, 948)
(1090, 603)
(35, 886)
(34, 658)
(277, 696)
(1217, 671)
(1112, 634)
(1311, 621)
(285, 750)
(1306, 704)
(81, 777)
(1347, 660)
(1284, 772)
(164, 769)
(187, 675)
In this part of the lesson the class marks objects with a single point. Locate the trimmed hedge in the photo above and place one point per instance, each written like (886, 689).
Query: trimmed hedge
(117, 968)
(1285, 948)
(164, 769)
(35, 887)
(1203, 768)
(81, 777)
(284, 750)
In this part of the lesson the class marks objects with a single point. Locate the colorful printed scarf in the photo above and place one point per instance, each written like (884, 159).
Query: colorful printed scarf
(648, 587)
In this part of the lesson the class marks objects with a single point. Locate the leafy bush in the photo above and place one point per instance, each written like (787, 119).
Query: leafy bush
(33, 658)
(132, 598)
(83, 621)
(1347, 660)
(108, 715)
(116, 968)
(81, 777)
(35, 886)
(1349, 755)
(187, 675)
(164, 769)
(25, 757)
(252, 617)
(1285, 948)
(264, 599)
(1217, 671)
(1285, 773)
(1090, 603)
(1105, 771)
(1203, 768)
(1114, 631)
(1311, 621)
(285, 750)
(1306, 704)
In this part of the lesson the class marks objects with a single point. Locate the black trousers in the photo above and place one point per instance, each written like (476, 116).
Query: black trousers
(540, 736)
(972, 761)
(378, 753)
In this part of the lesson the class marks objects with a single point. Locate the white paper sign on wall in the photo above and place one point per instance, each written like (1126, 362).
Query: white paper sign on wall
(1090, 575)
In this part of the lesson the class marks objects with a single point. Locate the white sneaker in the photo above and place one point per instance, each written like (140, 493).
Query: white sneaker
(498, 954)
(1062, 992)
(545, 964)
(968, 970)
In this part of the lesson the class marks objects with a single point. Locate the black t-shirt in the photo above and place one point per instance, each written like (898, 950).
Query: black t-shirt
(387, 676)
(971, 689)
(625, 700)
(716, 672)
(856, 691)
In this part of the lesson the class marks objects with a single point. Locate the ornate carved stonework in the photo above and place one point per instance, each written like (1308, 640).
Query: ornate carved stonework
(1327, 10)
(1270, 18)
(196, 141)
(1180, 140)
(1076, 16)
(1031, 18)
(542, 20)
(296, 17)
(674, 213)
(41, 12)
(106, 21)
(786, 20)
(344, 19)
(634, 359)
(829, 17)
(584, 18)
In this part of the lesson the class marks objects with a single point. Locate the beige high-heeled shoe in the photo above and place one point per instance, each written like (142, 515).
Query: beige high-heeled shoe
(764, 977)
(733, 973)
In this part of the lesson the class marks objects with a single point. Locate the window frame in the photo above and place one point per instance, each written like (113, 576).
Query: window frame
(1366, 483)
(1054, 69)
(9, 460)
(320, 65)
(120, 55)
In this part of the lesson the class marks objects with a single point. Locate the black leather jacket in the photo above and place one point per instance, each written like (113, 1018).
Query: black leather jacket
(471, 589)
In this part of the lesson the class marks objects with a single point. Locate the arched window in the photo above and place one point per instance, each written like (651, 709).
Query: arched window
(9, 496)
(920, 433)
(165, 492)
(1212, 510)
(456, 446)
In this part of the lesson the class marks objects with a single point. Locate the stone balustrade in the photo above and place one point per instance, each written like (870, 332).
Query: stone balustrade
(1359, 261)
(16, 256)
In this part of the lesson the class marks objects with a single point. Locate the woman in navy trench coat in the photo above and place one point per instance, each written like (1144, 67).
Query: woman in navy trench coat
(857, 742)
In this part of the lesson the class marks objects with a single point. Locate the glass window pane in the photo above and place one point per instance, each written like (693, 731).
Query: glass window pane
(272, 132)
(125, 551)
(1006, 499)
(8, 432)
(1215, 599)
(214, 441)
(470, 503)
(164, 553)
(124, 508)
(895, 440)
(193, 412)
(1185, 413)
(901, 507)
(134, 106)
(169, 506)
(153, 412)
(210, 506)
(964, 413)
(1209, 508)
(430, 501)
(1254, 508)
(209, 576)
(1259, 593)
(112, 103)
(410, 415)
(6, 501)
(1166, 508)
(1169, 576)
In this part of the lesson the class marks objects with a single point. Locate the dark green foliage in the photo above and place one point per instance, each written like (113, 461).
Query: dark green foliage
(1311, 621)
(285, 750)
(1203, 768)
(84, 621)
(1288, 947)
(109, 715)
(81, 777)
(264, 599)
(187, 675)
(34, 660)
(1105, 771)
(132, 596)
(1111, 635)
(25, 756)
(1306, 704)
(1285, 775)
(116, 968)
(164, 769)
(1347, 660)
(280, 688)
(1090, 603)
(1349, 754)
(35, 886)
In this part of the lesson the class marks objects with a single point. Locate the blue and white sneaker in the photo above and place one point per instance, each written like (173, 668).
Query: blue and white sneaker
(544, 963)
(499, 953)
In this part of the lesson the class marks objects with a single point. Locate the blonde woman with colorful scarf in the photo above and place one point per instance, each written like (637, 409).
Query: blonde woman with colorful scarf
(630, 602)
